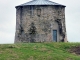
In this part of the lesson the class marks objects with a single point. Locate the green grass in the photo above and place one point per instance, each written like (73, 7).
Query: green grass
(38, 51)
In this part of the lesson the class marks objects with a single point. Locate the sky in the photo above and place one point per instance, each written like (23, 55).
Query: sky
(8, 19)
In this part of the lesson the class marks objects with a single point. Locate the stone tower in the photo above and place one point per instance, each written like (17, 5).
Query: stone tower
(40, 21)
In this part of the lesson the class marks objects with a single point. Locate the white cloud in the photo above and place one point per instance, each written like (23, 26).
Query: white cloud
(8, 20)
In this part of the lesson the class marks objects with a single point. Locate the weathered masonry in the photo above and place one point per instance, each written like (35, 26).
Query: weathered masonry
(40, 21)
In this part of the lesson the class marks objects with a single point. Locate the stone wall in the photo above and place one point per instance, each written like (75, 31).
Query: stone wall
(44, 23)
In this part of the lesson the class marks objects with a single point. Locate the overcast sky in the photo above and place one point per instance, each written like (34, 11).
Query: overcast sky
(8, 19)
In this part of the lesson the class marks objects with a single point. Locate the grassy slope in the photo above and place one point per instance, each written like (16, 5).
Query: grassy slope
(38, 51)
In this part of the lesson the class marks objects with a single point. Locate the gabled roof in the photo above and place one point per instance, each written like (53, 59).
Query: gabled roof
(40, 2)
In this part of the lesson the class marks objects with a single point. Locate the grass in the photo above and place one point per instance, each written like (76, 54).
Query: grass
(38, 51)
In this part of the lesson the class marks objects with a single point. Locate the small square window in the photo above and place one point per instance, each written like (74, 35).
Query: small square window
(38, 12)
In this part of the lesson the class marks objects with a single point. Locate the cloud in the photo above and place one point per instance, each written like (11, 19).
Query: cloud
(7, 32)
(8, 20)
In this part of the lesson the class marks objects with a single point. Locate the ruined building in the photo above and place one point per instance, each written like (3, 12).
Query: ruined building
(40, 21)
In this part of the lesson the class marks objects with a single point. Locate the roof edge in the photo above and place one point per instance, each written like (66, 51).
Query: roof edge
(40, 5)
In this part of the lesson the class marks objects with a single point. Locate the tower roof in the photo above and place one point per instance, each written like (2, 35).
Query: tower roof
(40, 2)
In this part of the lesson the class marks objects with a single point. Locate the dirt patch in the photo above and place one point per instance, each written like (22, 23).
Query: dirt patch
(43, 49)
(75, 50)
(69, 59)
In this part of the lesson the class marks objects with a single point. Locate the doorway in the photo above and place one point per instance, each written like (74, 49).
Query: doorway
(55, 35)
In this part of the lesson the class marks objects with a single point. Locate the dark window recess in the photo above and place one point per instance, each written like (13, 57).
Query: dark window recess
(31, 11)
(38, 12)
(58, 13)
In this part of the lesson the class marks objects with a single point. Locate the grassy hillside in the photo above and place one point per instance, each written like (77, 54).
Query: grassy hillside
(38, 51)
